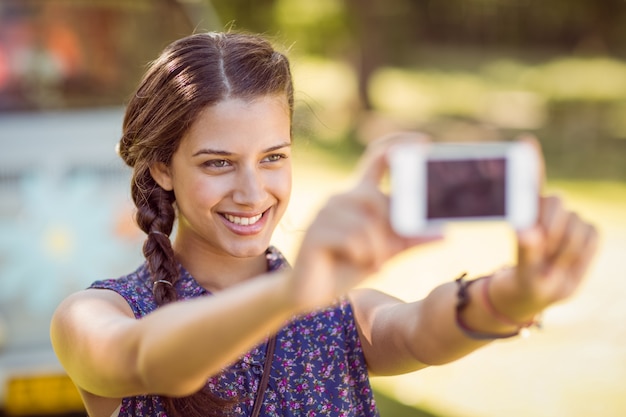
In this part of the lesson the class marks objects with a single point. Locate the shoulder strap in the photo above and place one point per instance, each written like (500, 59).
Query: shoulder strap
(267, 367)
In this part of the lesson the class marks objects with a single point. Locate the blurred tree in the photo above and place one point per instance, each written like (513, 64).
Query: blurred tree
(314, 27)
(371, 33)
(378, 38)
(248, 15)
(562, 25)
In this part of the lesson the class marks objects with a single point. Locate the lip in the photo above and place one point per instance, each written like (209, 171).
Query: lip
(245, 230)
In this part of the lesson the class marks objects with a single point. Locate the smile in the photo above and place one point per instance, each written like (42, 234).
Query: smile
(243, 221)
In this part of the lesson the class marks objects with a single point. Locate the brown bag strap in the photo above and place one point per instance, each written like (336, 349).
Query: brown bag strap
(267, 367)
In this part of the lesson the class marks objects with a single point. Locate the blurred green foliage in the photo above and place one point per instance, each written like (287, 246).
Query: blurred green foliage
(459, 69)
(389, 407)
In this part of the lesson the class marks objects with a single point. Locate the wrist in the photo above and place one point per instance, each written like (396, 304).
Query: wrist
(464, 299)
(522, 325)
(478, 318)
(507, 301)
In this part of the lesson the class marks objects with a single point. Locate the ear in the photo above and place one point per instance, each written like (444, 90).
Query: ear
(162, 175)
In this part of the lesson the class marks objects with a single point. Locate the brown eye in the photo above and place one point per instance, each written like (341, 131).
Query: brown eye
(275, 157)
(217, 163)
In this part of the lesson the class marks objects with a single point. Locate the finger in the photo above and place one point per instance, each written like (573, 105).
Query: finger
(530, 250)
(363, 247)
(377, 243)
(373, 164)
(572, 241)
(572, 264)
(355, 226)
(579, 246)
(368, 220)
(371, 207)
(337, 236)
(553, 219)
(589, 250)
(539, 244)
(378, 205)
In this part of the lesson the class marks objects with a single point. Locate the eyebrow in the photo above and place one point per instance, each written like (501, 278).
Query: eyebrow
(227, 153)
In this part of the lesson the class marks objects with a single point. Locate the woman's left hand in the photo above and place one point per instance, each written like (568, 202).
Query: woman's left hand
(553, 257)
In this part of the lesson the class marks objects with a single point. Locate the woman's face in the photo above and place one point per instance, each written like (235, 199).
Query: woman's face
(232, 176)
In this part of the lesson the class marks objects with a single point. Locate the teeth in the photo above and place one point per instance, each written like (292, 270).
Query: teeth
(244, 221)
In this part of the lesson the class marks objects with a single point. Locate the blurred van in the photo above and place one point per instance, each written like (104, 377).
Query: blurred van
(66, 218)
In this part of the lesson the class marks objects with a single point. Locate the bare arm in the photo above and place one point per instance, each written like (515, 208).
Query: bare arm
(170, 351)
(553, 258)
(399, 337)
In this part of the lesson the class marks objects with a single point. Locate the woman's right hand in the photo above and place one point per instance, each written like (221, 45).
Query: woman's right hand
(351, 237)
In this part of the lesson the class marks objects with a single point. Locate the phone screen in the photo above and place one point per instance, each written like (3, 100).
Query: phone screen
(466, 188)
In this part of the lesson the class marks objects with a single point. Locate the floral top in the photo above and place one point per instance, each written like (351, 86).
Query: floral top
(318, 367)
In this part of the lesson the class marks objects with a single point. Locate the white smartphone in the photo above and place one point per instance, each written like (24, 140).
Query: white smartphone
(433, 184)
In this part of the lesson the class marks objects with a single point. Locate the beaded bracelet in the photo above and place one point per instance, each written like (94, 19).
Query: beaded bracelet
(463, 299)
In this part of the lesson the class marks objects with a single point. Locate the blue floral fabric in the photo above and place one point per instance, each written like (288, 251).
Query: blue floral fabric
(318, 367)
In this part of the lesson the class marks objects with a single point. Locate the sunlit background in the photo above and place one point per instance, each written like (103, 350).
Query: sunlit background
(461, 70)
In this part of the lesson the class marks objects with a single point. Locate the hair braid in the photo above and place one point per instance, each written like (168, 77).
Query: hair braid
(155, 216)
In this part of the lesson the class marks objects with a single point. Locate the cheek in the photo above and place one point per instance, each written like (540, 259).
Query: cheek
(281, 184)
(204, 192)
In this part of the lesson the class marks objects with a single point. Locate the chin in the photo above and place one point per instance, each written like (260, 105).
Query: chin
(249, 250)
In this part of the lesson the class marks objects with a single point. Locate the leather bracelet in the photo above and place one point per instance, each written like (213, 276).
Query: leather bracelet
(463, 299)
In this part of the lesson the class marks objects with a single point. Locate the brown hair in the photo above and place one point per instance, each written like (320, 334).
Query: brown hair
(190, 75)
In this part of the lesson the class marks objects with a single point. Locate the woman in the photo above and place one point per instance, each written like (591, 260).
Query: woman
(208, 134)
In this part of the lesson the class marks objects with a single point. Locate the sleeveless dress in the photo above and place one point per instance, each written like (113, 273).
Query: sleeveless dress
(318, 367)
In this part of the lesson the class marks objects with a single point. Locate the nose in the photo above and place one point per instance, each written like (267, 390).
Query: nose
(249, 188)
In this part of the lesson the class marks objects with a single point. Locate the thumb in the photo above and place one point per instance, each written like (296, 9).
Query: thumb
(373, 165)
(530, 250)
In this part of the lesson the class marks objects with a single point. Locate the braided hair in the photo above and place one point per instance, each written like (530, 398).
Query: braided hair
(191, 74)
